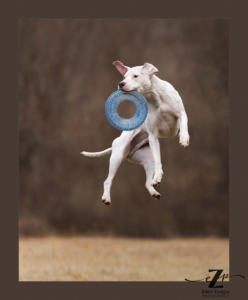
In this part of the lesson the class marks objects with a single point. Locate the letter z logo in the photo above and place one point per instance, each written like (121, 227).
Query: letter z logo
(216, 277)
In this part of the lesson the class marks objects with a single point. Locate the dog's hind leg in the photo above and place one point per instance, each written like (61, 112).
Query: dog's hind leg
(115, 161)
(143, 156)
(120, 150)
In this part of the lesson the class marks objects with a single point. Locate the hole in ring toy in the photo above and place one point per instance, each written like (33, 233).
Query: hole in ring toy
(111, 110)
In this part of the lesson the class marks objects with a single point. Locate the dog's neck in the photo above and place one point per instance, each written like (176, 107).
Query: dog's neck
(153, 86)
(155, 81)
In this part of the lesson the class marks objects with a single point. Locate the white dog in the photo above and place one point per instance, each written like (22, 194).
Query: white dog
(166, 117)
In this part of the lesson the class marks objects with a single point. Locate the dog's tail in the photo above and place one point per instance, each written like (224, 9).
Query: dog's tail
(97, 154)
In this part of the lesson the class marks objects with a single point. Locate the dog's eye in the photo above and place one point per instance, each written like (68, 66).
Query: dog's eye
(135, 76)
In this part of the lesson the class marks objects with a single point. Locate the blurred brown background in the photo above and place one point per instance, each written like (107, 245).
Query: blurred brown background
(65, 77)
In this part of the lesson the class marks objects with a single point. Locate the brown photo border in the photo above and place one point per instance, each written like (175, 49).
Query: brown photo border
(11, 12)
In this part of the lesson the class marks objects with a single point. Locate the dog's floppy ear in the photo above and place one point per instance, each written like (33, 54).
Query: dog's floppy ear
(120, 67)
(149, 69)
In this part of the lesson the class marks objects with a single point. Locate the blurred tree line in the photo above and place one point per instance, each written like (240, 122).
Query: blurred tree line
(65, 77)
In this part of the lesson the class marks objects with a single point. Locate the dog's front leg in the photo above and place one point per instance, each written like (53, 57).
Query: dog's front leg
(155, 148)
(184, 134)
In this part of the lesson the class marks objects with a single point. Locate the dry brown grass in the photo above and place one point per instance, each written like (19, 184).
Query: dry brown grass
(120, 259)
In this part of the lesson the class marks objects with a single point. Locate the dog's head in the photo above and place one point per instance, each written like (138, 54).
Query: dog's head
(136, 78)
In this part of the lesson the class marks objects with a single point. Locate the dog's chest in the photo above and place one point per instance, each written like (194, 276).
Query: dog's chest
(153, 100)
(162, 105)
(162, 113)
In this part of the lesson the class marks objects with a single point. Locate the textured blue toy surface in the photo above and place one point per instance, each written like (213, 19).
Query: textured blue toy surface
(111, 110)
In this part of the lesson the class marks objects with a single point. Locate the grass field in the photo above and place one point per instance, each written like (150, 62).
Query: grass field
(120, 259)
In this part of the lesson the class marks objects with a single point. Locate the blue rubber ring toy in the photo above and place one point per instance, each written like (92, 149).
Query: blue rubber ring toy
(126, 124)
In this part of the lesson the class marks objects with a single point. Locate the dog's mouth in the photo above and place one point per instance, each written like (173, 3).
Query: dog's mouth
(136, 90)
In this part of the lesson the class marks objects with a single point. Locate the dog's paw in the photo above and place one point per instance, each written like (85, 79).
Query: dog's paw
(106, 200)
(155, 182)
(157, 178)
(184, 140)
(156, 196)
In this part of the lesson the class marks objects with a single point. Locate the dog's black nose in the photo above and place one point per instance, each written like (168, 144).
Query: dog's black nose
(121, 84)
